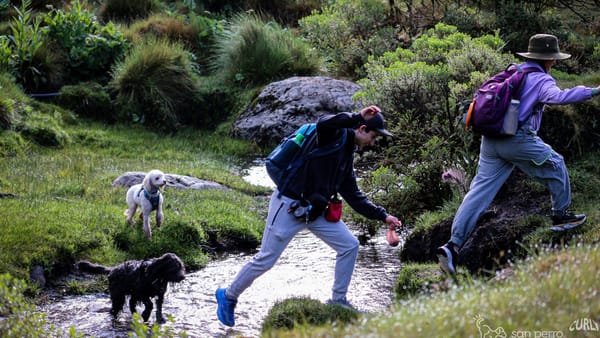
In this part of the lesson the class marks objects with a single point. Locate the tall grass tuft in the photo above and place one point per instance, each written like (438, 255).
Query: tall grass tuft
(156, 85)
(253, 51)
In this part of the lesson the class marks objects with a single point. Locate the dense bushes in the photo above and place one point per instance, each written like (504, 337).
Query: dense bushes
(21, 119)
(197, 33)
(19, 316)
(89, 48)
(348, 32)
(119, 10)
(44, 51)
(255, 52)
(420, 89)
(22, 48)
(88, 99)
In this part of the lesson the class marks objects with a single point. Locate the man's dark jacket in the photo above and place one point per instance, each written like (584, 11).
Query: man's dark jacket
(327, 175)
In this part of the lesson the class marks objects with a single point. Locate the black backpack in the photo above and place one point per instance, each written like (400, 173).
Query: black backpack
(294, 150)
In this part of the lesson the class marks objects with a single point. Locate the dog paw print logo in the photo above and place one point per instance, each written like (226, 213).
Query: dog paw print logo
(485, 331)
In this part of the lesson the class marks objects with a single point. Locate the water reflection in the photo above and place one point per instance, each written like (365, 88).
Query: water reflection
(304, 269)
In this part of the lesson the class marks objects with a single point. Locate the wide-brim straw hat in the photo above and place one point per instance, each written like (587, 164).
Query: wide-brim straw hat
(544, 47)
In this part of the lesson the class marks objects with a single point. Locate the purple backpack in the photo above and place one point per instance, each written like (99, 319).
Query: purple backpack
(494, 110)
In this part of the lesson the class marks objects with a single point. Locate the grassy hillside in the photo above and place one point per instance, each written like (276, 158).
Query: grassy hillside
(64, 207)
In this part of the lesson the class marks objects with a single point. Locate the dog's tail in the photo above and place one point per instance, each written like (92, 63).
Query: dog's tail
(86, 266)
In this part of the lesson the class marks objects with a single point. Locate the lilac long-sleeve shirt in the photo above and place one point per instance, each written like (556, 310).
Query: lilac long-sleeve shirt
(540, 87)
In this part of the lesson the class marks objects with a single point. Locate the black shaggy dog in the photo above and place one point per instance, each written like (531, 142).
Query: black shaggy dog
(141, 280)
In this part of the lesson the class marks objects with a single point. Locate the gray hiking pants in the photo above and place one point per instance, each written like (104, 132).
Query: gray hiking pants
(497, 158)
(280, 228)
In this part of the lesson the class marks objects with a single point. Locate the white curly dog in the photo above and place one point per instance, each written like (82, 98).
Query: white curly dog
(147, 195)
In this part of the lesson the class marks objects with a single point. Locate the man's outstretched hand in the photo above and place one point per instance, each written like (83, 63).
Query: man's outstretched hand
(391, 236)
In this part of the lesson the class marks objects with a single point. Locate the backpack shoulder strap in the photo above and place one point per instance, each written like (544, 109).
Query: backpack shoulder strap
(519, 91)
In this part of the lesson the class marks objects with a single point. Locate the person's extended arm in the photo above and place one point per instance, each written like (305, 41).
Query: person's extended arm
(361, 204)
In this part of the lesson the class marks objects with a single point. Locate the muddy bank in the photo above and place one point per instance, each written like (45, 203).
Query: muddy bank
(495, 239)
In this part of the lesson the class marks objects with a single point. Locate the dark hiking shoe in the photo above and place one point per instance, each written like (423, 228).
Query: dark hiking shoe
(447, 258)
(225, 308)
(567, 220)
(343, 303)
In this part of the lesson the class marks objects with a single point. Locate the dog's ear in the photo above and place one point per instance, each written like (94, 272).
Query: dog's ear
(146, 182)
(158, 266)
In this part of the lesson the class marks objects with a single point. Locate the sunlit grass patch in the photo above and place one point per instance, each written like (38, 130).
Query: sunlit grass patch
(50, 232)
(65, 207)
(300, 313)
(547, 293)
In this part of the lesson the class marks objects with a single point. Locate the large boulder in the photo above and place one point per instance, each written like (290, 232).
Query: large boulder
(283, 106)
(174, 181)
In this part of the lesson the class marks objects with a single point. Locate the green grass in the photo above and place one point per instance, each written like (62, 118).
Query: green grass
(65, 207)
(553, 287)
(549, 292)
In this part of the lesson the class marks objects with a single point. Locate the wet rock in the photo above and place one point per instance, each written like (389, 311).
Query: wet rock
(494, 240)
(175, 181)
(283, 106)
(36, 274)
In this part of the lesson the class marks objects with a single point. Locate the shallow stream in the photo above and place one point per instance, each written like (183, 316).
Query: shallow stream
(304, 270)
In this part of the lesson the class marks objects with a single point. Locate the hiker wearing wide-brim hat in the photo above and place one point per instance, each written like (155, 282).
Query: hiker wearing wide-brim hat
(525, 150)
(544, 47)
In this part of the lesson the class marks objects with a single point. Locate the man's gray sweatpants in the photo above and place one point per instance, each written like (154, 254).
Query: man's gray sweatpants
(280, 228)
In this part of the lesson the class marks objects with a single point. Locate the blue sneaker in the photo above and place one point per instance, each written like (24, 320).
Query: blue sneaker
(225, 308)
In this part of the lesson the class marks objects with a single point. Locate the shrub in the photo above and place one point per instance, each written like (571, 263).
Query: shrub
(166, 27)
(25, 43)
(88, 99)
(571, 129)
(156, 85)
(7, 114)
(19, 317)
(420, 90)
(10, 97)
(347, 32)
(254, 52)
(197, 33)
(89, 48)
(127, 11)
(11, 144)
(208, 30)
